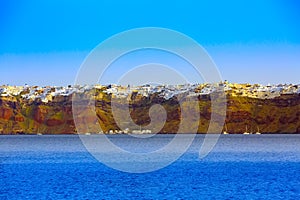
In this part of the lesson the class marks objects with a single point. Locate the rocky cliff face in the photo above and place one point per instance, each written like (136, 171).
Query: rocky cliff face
(274, 115)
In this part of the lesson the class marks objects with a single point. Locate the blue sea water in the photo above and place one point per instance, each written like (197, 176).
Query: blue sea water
(239, 167)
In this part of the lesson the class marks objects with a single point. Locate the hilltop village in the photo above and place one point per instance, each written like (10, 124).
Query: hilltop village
(48, 93)
(48, 110)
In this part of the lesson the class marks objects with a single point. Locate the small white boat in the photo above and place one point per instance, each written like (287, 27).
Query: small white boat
(87, 133)
(39, 134)
(225, 131)
(246, 132)
(257, 133)
(137, 131)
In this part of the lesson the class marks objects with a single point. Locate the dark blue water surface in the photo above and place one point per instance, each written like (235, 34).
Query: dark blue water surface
(239, 167)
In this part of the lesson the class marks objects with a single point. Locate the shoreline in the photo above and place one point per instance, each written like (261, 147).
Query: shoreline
(94, 134)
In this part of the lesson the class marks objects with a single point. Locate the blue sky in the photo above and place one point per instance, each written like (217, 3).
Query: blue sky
(45, 42)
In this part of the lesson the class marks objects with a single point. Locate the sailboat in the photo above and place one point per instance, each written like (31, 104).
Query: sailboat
(258, 133)
(225, 131)
(38, 132)
(246, 132)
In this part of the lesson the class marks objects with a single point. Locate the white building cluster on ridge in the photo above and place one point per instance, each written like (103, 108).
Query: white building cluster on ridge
(47, 93)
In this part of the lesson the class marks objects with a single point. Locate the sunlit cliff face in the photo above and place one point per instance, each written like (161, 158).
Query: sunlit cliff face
(267, 109)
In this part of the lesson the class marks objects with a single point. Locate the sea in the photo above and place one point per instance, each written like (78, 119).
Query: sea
(263, 166)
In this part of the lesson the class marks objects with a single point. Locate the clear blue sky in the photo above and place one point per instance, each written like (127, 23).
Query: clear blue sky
(45, 42)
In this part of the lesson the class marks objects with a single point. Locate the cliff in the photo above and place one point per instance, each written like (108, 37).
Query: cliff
(278, 114)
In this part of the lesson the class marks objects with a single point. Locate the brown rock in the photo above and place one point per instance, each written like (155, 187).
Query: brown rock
(278, 115)
(6, 113)
(54, 122)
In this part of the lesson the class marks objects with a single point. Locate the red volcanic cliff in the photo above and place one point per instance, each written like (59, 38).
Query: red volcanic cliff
(29, 116)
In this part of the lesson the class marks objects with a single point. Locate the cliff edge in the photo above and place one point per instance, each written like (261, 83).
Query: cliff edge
(48, 110)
